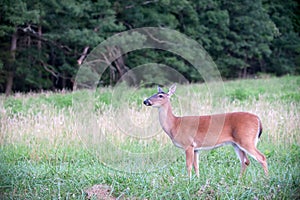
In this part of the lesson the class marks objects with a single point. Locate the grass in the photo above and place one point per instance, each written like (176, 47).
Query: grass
(57, 145)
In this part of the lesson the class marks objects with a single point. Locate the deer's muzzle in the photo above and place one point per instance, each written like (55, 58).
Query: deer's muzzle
(147, 102)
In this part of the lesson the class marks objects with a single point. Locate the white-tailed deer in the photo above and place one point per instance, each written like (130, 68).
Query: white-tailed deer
(194, 133)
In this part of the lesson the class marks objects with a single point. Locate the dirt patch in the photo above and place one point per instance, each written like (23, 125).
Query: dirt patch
(100, 192)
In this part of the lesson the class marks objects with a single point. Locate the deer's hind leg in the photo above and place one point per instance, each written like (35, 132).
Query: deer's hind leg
(256, 154)
(243, 158)
(261, 158)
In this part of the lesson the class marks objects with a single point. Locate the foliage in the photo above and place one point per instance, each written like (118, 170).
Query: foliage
(43, 43)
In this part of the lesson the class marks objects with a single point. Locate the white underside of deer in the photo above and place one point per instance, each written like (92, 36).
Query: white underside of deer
(193, 133)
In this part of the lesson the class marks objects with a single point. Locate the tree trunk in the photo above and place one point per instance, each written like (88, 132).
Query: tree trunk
(9, 82)
(119, 65)
(83, 55)
(10, 73)
(245, 73)
(63, 81)
(39, 44)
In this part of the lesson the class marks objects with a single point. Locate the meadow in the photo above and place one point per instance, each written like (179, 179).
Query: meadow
(59, 145)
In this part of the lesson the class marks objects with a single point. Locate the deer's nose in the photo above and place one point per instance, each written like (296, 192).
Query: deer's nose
(147, 102)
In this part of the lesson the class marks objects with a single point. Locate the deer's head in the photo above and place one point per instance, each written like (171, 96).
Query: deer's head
(160, 98)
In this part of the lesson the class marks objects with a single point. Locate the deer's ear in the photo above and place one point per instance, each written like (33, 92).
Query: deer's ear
(172, 90)
(159, 90)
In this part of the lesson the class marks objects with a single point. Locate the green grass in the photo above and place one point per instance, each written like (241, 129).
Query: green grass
(48, 149)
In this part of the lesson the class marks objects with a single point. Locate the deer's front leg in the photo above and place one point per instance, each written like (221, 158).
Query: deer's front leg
(189, 156)
(196, 162)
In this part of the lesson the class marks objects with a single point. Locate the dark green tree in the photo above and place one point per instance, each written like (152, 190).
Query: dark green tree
(43, 42)
(250, 34)
(15, 15)
(286, 44)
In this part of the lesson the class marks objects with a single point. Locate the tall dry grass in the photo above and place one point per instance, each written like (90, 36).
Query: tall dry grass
(52, 126)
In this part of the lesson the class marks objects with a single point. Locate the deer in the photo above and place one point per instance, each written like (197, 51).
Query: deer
(194, 133)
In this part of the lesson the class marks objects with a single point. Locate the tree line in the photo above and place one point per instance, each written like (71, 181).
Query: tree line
(43, 42)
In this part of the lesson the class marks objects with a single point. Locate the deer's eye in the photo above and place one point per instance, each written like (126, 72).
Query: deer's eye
(160, 96)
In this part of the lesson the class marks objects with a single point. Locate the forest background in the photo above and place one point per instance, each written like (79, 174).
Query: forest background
(43, 42)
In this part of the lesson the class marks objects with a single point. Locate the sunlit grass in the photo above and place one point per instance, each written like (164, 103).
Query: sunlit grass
(55, 145)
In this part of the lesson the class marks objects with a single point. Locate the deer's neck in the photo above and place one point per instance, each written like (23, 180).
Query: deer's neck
(167, 119)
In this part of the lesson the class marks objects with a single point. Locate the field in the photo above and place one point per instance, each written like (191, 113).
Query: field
(60, 145)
